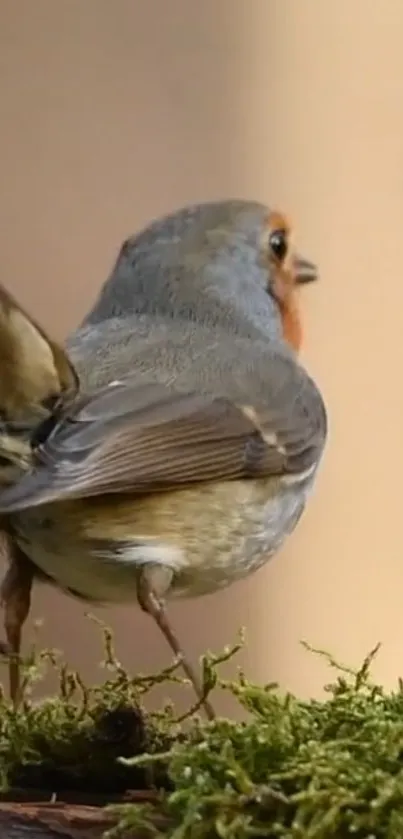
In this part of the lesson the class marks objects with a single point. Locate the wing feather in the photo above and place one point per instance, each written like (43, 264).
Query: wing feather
(135, 437)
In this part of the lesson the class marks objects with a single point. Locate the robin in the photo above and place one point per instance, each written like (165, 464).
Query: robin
(188, 472)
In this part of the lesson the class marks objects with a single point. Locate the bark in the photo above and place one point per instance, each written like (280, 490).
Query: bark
(48, 820)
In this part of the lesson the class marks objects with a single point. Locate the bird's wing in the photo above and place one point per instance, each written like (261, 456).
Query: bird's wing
(134, 437)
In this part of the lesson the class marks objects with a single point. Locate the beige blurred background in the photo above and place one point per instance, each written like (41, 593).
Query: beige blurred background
(112, 113)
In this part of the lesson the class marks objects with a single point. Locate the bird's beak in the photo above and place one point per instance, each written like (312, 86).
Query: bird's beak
(305, 271)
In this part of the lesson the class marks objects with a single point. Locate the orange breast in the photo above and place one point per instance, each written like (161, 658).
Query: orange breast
(292, 327)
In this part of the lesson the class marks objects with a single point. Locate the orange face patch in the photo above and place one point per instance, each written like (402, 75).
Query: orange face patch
(283, 277)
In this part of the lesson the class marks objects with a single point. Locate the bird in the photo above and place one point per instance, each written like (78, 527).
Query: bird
(188, 451)
(36, 377)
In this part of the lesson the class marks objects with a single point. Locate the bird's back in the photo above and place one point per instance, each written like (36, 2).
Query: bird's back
(193, 357)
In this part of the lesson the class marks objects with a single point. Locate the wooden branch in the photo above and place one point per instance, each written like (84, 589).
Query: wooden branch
(60, 820)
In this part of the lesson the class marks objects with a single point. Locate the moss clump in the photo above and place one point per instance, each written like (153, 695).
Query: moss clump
(73, 741)
(309, 770)
(305, 769)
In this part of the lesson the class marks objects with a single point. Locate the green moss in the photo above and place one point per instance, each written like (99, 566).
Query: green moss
(305, 769)
(73, 741)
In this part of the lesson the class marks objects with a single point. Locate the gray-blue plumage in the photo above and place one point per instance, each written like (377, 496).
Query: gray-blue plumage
(187, 305)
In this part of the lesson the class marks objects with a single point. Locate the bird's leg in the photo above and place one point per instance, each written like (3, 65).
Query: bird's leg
(153, 583)
(15, 597)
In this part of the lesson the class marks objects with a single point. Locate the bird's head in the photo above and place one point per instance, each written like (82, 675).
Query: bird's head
(229, 264)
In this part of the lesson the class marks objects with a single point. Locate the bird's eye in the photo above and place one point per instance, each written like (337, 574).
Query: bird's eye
(278, 243)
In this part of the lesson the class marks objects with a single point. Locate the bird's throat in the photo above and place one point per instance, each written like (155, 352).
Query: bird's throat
(291, 320)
